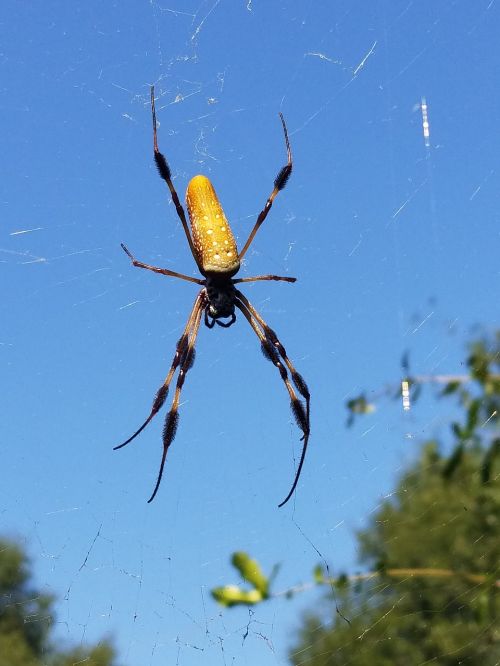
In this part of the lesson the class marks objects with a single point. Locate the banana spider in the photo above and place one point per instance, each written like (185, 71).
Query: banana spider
(214, 250)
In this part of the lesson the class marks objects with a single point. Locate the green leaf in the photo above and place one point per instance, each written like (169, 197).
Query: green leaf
(478, 362)
(360, 405)
(342, 581)
(453, 461)
(473, 415)
(405, 362)
(318, 574)
(232, 595)
(451, 387)
(489, 460)
(251, 572)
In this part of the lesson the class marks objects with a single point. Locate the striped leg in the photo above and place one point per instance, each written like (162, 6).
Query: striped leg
(279, 183)
(179, 357)
(162, 271)
(256, 278)
(165, 174)
(172, 420)
(297, 378)
(272, 352)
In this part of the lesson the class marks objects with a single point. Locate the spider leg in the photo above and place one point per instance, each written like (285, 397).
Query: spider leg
(272, 352)
(181, 351)
(172, 419)
(166, 175)
(279, 183)
(163, 271)
(297, 378)
(256, 278)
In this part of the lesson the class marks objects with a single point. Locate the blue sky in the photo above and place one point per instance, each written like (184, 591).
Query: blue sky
(394, 243)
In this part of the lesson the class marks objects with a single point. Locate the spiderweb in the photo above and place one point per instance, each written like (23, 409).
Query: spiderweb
(394, 173)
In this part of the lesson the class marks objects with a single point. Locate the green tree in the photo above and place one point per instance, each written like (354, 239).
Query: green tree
(27, 618)
(435, 544)
(435, 548)
(430, 589)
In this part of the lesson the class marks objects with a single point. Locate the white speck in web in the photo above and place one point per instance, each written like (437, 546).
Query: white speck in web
(423, 322)
(412, 195)
(425, 123)
(322, 56)
(405, 394)
(25, 231)
(201, 23)
(356, 246)
(128, 305)
(476, 191)
(492, 416)
(362, 63)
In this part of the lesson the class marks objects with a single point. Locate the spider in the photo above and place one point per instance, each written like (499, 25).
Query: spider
(214, 250)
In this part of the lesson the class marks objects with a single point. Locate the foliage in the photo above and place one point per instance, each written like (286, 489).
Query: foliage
(445, 604)
(478, 394)
(27, 618)
(432, 590)
(442, 524)
(250, 571)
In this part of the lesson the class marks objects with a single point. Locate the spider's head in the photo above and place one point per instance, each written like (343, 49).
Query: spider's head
(220, 294)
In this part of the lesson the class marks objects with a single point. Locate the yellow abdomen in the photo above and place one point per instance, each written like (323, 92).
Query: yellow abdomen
(213, 239)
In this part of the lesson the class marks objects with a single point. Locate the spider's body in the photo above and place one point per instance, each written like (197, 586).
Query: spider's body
(221, 297)
(213, 240)
(214, 249)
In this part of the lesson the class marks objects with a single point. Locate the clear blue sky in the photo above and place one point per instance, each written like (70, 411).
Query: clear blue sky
(395, 245)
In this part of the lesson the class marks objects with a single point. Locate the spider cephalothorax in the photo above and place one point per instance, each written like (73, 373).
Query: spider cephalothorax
(214, 249)
(221, 296)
